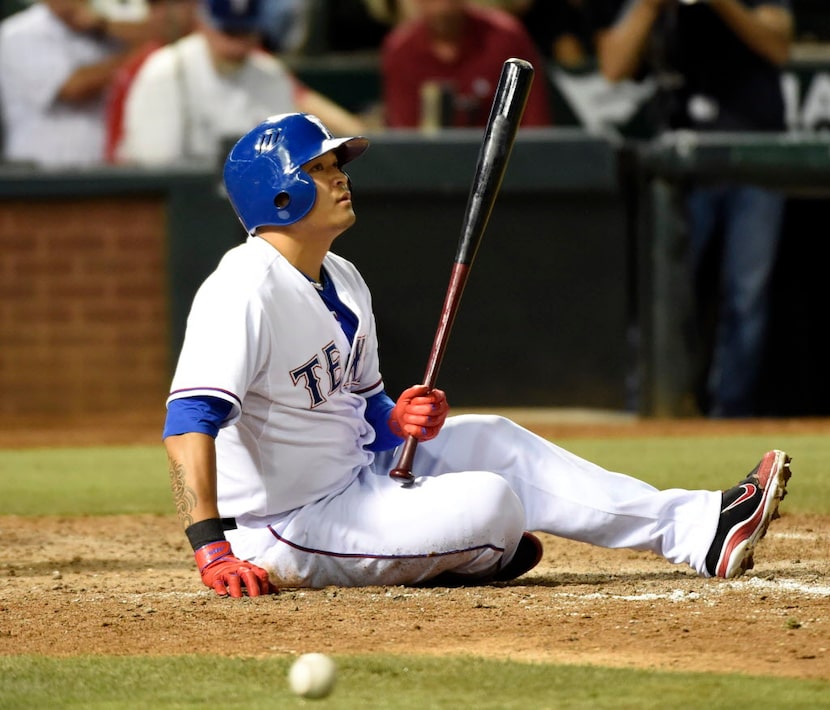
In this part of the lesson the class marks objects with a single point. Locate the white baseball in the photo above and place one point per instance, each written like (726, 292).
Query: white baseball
(312, 675)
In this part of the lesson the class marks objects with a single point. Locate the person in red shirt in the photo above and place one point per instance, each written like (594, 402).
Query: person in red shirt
(456, 49)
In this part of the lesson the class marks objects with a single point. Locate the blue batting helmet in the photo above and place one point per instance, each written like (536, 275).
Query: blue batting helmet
(263, 172)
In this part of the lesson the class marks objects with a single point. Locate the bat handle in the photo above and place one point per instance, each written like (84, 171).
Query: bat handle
(403, 471)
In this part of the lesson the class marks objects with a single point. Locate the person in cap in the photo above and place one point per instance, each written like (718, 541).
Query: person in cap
(57, 62)
(193, 96)
(280, 434)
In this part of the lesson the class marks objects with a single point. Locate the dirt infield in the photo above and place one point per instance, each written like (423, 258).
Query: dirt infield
(127, 585)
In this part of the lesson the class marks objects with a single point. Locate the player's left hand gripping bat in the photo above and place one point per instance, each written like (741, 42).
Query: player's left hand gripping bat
(499, 135)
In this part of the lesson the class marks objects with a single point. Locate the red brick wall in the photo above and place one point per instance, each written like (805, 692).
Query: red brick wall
(83, 306)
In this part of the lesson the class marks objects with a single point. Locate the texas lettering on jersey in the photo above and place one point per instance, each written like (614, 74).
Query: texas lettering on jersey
(327, 366)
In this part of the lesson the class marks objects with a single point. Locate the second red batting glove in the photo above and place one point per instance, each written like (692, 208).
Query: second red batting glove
(227, 574)
(419, 412)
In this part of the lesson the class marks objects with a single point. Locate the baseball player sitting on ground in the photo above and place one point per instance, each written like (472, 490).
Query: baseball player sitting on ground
(280, 435)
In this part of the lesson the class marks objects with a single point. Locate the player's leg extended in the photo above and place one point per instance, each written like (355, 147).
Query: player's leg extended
(568, 496)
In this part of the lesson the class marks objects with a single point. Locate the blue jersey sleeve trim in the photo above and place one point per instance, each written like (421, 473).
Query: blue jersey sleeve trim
(200, 414)
(378, 409)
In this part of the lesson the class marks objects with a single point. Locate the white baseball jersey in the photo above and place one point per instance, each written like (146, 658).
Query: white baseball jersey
(297, 386)
(180, 107)
(38, 53)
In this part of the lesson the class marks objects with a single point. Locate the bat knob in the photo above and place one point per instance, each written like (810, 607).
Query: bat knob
(401, 474)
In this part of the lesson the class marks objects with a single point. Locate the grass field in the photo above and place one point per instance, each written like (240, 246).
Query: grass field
(399, 683)
(116, 480)
(133, 480)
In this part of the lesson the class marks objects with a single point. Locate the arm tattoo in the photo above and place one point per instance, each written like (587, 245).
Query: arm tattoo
(183, 496)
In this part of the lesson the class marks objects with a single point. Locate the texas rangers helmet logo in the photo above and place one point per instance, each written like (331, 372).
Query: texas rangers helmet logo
(267, 141)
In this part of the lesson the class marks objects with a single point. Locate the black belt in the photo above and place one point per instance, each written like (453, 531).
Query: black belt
(228, 524)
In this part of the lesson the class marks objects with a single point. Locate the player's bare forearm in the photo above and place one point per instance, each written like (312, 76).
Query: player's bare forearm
(192, 466)
(192, 469)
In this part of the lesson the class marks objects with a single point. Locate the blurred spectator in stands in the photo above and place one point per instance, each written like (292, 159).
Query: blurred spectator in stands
(450, 56)
(207, 88)
(178, 18)
(717, 65)
(559, 28)
(57, 59)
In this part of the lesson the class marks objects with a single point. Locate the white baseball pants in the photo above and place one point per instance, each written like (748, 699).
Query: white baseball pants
(481, 483)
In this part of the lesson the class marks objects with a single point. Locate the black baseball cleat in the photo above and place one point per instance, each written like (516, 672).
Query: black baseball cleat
(528, 555)
(746, 512)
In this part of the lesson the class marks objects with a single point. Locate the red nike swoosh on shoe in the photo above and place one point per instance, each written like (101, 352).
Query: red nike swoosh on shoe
(749, 491)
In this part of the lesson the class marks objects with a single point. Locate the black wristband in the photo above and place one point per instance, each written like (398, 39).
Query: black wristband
(205, 532)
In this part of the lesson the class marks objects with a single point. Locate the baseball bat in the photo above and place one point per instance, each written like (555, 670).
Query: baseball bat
(499, 135)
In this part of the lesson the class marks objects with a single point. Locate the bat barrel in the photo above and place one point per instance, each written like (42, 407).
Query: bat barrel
(505, 116)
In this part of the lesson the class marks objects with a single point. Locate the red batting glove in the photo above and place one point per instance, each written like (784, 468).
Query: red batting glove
(419, 412)
(226, 573)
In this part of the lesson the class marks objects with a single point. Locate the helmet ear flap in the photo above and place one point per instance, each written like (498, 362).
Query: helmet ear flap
(271, 197)
(294, 197)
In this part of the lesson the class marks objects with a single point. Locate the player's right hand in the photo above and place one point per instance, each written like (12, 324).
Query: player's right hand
(227, 574)
(419, 412)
